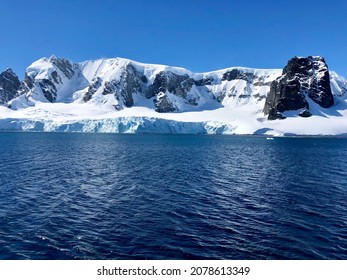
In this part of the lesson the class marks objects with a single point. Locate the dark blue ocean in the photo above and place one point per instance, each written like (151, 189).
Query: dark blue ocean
(107, 196)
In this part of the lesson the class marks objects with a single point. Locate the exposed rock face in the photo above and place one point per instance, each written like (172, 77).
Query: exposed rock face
(64, 65)
(9, 85)
(237, 74)
(302, 78)
(164, 82)
(204, 82)
(179, 85)
(92, 88)
(285, 95)
(163, 104)
(131, 82)
(314, 78)
(274, 115)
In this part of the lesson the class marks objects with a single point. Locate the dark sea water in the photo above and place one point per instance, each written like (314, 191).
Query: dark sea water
(104, 196)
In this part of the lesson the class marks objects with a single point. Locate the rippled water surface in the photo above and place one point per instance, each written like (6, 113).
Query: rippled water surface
(102, 196)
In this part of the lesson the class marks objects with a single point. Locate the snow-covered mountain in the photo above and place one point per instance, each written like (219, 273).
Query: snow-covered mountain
(122, 83)
(121, 95)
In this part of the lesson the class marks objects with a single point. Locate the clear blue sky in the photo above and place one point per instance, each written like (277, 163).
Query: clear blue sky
(200, 35)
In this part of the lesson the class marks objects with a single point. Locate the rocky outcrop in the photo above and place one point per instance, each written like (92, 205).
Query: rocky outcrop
(163, 104)
(168, 82)
(237, 74)
(92, 88)
(204, 82)
(302, 78)
(178, 85)
(285, 95)
(274, 115)
(9, 86)
(131, 82)
(64, 65)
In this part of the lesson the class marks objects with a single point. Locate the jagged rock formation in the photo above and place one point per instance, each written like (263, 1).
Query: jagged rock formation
(93, 87)
(163, 103)
(302, 78)
(9, 86)
(237, 74)
(168, 82)
(131, 82)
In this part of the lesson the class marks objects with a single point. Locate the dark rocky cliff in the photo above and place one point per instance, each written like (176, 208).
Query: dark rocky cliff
(302, 78)
(9, 86)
